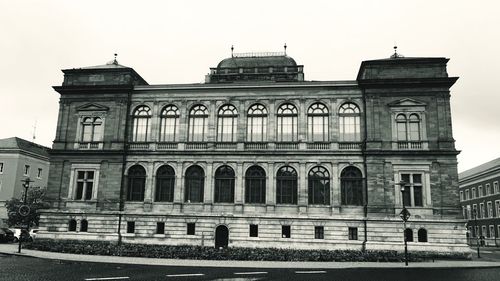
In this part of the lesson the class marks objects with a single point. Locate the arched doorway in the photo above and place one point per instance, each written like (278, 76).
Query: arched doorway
(221, 237)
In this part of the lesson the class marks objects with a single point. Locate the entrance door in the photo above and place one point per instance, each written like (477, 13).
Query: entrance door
(221, 237)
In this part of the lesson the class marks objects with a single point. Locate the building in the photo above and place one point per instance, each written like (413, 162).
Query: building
(20, 159)
(257, 156)
(480, 201)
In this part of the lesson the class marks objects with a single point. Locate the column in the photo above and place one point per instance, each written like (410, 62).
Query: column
(208, 194)
(239, 188)
(302, 188)
(270, 187)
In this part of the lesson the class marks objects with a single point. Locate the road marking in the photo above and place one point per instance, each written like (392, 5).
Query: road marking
(250, 273)
(185, 275)
(310, 271)
(107, 278)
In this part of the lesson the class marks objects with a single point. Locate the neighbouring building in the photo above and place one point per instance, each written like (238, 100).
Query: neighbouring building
(480, 201)
(257, 156)
(21, 159)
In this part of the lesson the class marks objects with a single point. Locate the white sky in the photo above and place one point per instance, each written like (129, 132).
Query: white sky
(178, 41)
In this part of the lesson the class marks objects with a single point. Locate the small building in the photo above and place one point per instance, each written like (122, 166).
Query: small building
(21, 159)
(480, 201)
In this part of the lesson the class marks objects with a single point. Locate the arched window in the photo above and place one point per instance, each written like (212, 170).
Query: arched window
(349, 122)
(169, 124)
(257, 123)
(72, 225)
(194, 182)
(286, 186)
(165, 183)
(319, 186)
(91, 129)
(401, 127)
(409, 235)
(84, 225)
(422, 235)
(224, 185)
(255, 185)
(287, 128)
(227, 119)
(408, 128)
(317, 123)
(136, 183)
(351, 183)
(198, 124)
(141, 123)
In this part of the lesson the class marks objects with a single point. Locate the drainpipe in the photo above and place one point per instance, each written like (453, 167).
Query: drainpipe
(124, 163)
(365, 185)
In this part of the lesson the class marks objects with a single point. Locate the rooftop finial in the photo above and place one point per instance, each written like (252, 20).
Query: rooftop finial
(232, 49)
(396, 55)
(285, 48)
(115, 61)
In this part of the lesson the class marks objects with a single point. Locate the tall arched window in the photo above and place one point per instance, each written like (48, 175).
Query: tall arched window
(422, 235)
(227, 119)
(141, 123)
(255, 185)
(401, 123)
(287, 128)
(286, 185)
(169, 124)
(72, 225)
(84, 225)
(408, 127)
(198, 124)
(349, 122)
(257, 123)
(317, 123)
(165, 184)
(224, 185)
(136, 183)
(319, 186)
(409, 235)
(194, 183)
(351, 183)
(91, 129)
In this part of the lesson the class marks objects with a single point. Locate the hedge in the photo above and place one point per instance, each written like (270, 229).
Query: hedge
(210, 253)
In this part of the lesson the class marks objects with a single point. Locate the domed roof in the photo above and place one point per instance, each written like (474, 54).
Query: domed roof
(257, 61)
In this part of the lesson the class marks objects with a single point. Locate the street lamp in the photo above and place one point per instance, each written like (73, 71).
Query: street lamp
(476, 231)
(405, 215)
(24, 209)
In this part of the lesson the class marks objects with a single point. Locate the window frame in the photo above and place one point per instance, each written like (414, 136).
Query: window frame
(197, 113)
(190, 181)
(287, 112)
(190, 228)
(134, 190)
(318, 112)
(165, 184)
(165, 126)
(261, 119)
(160, 227)
(286, 186)
(319, 232)
(351, 112)
(224, 184)
(141, 132)
(253, 230)
(26, 171)
(75, 168)
(227, 113)
(2, 166)
(130, 227)
(352, 233)
(351, 187)
(255, 186)
(286, 231)
(315, 186)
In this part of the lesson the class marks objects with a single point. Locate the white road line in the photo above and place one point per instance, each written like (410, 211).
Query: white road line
(310, 271)
(250, 273)
(185, 275)
(106, 278)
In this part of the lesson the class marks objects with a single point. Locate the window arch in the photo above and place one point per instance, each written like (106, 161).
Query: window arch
(136, 183)
(91, 129)
(349, 122)
(255, 185)
(84, 225)
(351, 183)
(72, 225)
(224, 185)
(286, 185)
(409, 235)
(165, 184)
(194, 184)
(317, 123)
(287, 128)
(408, 127)
(422, 235)
(319, 186)
(227, 120)
(257, 123)
(198, 124)
(169, 124)
(141, 123)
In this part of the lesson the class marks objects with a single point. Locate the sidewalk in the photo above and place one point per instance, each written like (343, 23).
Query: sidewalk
(11, 249)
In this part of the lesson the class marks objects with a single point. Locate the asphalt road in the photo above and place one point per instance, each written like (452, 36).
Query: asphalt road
(17, 268)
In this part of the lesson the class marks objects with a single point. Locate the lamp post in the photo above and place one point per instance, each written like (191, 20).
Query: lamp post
(24, 209)
(405, 215)
(476, 231)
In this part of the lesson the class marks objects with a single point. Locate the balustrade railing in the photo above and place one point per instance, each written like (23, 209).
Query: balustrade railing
(318, 145)
(409, 145)
(196, 145)
(256, 145)
(89, 145)
(139, 146)
(166, 146)
(349, 145)
(287, 146)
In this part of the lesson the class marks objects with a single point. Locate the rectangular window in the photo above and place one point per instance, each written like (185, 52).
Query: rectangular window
(285, 231)
(1, 168)
(489, 206)
(131, 227)
(353, 233)
(254, 230)
(84, 185)
(160, 227)
(469, 214)
(319, 232)
(467, 194)
(461, 196)
(495, 187)
(413, 194)
(483, 231)
(464, 212)
(480, 191)
(39, 174)
(474, 211)
(491, 233)
(497, 208)
(488, 190)
(497, 235)
(191, 228)
(482, 211)
(473, 192)
(26, 170)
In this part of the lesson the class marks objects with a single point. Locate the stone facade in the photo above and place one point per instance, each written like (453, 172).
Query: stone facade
(111, 143)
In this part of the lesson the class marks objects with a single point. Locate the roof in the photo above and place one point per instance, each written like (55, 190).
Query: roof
(21, 144)
(110, 65)
(257, 61)
(488, 166)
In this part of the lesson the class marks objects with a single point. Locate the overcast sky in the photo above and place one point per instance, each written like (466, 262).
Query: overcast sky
(178, 41)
